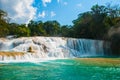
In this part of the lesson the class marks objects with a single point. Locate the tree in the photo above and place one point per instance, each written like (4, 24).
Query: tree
(115, 44)
(23, 30)
(36, 28)
(13, 28)
(66, 31)
(3, 15)
(3, 24)
(92, 24)
(52, 28)
(81, 25)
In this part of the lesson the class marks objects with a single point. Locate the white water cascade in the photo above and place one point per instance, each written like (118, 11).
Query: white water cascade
(50, 47)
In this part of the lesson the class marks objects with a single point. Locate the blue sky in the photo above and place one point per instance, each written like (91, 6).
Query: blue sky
(64, 11)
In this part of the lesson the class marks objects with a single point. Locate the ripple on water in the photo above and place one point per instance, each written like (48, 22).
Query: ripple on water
(63, 69)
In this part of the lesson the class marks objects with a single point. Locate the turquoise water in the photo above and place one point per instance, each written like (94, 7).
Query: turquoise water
(65, 69)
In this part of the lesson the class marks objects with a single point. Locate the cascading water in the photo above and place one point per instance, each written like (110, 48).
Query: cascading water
(35, 48)
(85, 47)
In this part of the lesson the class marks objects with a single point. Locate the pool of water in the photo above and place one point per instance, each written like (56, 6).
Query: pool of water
(63, 69)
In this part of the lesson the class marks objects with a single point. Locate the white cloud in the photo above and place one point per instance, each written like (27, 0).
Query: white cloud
(65, 3)
(52, 13)
(79, 5)
(62, 2)
(20, 11)
(45, 2)
(42, 15)
(58, 1)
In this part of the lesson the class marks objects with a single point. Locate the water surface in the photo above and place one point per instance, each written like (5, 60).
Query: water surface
(63, 69)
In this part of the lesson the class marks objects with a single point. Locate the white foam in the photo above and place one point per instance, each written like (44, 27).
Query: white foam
(46, 48)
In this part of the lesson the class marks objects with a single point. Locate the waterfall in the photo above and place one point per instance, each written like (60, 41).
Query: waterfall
(35, 48)
(85, 47)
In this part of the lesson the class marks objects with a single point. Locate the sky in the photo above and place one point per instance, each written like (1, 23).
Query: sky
(64, 11)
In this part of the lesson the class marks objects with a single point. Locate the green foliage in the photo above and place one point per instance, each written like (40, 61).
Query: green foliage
(3, 15)
(67, 31)
(18, 29)
(81, 25)
(36, 28)
(3, 31)
(94, 24)
(3, 24)
(115, 44)
(52, 28)
(23, 30)
(49, 28)
(13, 29)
